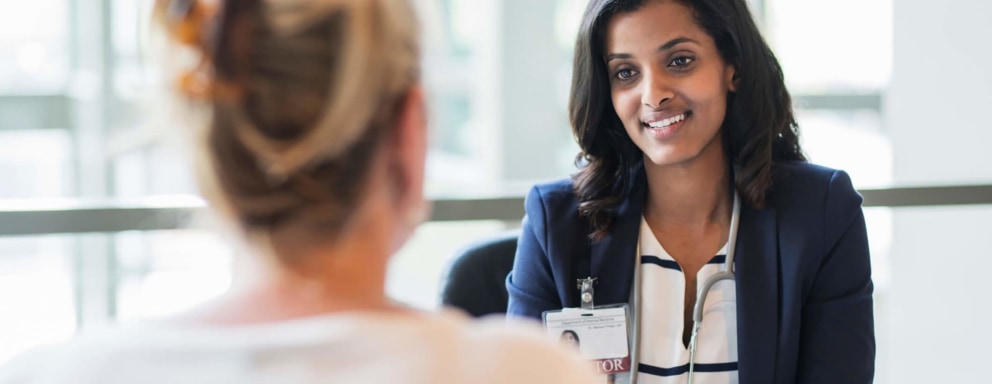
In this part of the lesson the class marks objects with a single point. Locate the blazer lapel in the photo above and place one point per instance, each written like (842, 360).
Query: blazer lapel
(757, 269)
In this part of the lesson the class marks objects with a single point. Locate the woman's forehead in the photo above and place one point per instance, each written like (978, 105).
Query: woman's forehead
(652, 26)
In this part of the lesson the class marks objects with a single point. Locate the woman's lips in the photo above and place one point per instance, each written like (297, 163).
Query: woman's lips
(663, 128)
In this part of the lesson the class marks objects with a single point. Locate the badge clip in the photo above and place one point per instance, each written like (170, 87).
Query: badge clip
(586, 290)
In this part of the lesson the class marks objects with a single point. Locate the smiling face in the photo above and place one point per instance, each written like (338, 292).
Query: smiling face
(668, 83)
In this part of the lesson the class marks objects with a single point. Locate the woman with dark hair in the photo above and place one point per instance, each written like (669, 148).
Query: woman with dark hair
(570, 338)
(695, 205)
(313, 152)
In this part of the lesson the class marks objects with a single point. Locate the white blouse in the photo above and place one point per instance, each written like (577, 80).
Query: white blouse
(662, 355)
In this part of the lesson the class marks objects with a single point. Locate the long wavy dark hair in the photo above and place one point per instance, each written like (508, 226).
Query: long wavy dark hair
(759, 129)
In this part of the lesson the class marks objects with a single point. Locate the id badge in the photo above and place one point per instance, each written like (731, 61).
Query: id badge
(599, 334)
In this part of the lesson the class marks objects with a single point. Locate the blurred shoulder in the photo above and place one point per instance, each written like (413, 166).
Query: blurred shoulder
(498, 350)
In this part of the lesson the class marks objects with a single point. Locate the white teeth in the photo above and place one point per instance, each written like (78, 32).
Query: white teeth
(666, 122)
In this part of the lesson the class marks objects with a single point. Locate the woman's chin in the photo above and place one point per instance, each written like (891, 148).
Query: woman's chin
(667, 158)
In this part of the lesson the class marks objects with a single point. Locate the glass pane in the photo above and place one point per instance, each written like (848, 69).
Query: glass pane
(849, 140)
(131, 27)
(34, 51)
(832, 46)
(879, 223)
(37, 293)
(165, 272)
(936, 300)
(160, 169)
(455, 40)
(462, 27)
(567, 21)
(35, 164)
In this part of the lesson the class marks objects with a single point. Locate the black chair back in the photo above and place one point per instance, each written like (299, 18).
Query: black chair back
(476, 278)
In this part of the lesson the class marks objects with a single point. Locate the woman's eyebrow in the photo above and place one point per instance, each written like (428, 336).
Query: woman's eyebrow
(664, 47)
(676, 41)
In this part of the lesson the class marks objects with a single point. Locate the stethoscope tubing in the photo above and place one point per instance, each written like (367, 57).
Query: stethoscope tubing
(704, 290)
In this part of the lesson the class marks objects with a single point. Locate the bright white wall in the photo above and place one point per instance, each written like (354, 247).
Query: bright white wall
(937, 114)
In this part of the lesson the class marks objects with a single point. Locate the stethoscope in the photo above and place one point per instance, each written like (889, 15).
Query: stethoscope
(726, 274)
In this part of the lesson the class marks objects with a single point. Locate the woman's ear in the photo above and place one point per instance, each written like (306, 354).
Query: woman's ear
(407, 159)
(411, 144)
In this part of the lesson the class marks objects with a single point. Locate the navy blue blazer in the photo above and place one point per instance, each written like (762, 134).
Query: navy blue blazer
(804, 289)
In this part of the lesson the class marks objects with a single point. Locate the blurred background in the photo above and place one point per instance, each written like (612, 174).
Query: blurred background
(894, 92)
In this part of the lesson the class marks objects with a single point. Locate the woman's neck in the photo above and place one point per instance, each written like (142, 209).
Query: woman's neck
(694, 193)
(346, 276)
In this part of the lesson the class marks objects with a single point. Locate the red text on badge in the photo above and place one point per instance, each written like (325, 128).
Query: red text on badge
(606, 366)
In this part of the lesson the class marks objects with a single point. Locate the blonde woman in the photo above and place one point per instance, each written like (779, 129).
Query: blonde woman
(314, 151)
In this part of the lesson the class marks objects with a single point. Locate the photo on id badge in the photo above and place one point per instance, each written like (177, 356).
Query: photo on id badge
(599, 335)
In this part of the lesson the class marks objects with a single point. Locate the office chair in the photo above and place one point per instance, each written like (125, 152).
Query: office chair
(476, 278)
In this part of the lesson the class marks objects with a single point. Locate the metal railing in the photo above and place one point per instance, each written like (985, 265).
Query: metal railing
(117, 217)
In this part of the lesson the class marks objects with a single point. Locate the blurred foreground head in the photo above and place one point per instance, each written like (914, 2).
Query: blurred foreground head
(316, 125)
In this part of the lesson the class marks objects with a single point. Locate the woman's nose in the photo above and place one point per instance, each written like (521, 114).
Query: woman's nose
(656, 90)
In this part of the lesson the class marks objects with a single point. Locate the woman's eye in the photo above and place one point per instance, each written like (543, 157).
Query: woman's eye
(681, 62)
(624, 74)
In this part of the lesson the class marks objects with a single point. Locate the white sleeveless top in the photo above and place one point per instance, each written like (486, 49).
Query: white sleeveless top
(362, 348)
(662, 356)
